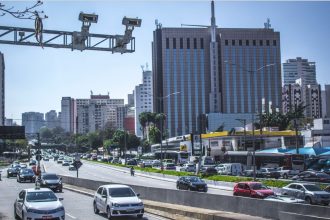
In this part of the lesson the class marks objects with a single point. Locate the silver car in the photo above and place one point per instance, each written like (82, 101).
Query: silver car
(311, 193)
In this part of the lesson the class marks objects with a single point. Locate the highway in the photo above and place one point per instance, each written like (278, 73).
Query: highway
(102, 172)
(77, 206)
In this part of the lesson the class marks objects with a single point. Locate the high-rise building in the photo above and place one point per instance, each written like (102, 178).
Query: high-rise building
(68, 114)
(299, 68)
(143, 99)
(198, 71)
(130, 100)
(2, 89)
(326, 101)
(51, 119)
(32, 121)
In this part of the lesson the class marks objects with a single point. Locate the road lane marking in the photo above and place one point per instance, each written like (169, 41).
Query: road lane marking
(71, 216)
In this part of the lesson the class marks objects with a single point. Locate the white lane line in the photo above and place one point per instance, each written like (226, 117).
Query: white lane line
(71, 216)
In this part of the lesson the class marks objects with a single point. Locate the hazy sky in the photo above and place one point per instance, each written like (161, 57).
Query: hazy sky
(36, 79)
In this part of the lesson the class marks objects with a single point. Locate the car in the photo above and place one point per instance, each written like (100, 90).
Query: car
(208, 171)
(131, 162)
(327, 189)
(249, 173)
(252, 189)
(117, 200)
(192, 183)
(52, 181)
(46, 158)
(312, 176)
(26, 175)
(233, 169)
(60, 160)
(169, 166)
(188, 167)
(23, 165)
(283, 198)
(72, 167)
(12, 171)
(66, 163)
(286, 173)
(270, 173)
(38, 203)
(311, 193)
(32, 162)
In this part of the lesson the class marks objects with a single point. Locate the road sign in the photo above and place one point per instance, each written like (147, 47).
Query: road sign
(12, 132)
(77, 164)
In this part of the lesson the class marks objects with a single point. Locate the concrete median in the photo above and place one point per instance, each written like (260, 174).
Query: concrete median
(242, 205)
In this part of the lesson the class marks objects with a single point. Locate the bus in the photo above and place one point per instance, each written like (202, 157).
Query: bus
(289, 161)
(178, 157)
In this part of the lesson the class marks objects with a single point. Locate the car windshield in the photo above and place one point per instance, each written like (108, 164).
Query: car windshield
(194, 179)
(50, 177)
(258, 186)
(46, 196)
(27, 171)
(312, 188)
(322, 175)
(121, 192)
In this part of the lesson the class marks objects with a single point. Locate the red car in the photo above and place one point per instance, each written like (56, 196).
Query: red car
(252, 189)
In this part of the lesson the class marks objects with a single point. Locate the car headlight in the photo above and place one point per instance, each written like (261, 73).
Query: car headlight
(115, 204)
(259, 193)
(140, 204)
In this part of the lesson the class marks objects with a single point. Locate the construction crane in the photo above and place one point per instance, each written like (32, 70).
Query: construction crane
(82, 40)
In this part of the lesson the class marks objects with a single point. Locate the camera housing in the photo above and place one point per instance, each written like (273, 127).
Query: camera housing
(135, 22)
(92, 18)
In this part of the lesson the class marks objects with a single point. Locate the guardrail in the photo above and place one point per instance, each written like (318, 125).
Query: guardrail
(249, 206)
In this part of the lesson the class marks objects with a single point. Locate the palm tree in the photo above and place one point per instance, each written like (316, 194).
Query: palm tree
(143, 119)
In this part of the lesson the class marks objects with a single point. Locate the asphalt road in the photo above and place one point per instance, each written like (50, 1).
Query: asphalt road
(77, 206)
(99, 172)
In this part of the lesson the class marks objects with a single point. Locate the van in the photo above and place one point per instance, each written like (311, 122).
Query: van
(233, 169)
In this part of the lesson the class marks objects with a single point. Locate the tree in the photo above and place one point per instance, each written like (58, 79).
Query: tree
(143, 121)
(27, 13)
(133, 141)
(94, 140)
(46, 134)
(154, 134)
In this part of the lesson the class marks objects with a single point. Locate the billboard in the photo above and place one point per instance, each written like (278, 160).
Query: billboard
(12, 132)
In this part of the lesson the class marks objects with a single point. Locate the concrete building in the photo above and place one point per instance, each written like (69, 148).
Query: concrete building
(301, 69)
(319, 134)
(214, 70)
(326, 101)
(68, 114)
(2, 90)
(51, 119)
(130, 100)
(32, 121)
(143, 99)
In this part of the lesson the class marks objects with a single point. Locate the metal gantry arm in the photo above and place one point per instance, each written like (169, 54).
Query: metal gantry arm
(65, 39)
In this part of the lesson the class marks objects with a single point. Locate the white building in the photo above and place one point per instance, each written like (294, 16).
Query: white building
(51, 119)
(2, 90)
(319, 135)
(143, 99)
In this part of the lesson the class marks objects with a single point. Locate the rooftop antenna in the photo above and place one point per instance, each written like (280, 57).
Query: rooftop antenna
(142, 67)
(147, 67)
(158, 25)
(267, 24)
(91, 92)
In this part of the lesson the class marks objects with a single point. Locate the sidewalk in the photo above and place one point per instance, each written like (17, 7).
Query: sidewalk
(177, 212)
(211, 184)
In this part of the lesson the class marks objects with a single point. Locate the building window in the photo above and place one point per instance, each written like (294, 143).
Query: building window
(167, 43)
(181, 43)
(274, 42)
(240, 42)
(195, 43)
(188, 43)
(247, 42)
(233, 42)
(254, 43)
(174, 43)
(261, 43)
(267, 42)
(202, 43)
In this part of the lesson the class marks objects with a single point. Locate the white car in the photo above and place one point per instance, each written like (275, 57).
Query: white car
(38, 203)
(117, 200)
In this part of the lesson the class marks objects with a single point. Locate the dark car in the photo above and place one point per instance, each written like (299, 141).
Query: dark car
(208, 171)
(192, 183)
(312, 176)
(252, 189)
(270, 173)
(52, 181)
(131, 162)
(13, 171)
(327, 189)
(26, 175)
(249, 173)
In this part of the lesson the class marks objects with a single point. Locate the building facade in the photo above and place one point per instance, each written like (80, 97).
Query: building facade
(143, 99)
(299, 68)
(68, 114)
(2, 90)
(51, 119)
(32, 121)
(326, 101)
(214, 70)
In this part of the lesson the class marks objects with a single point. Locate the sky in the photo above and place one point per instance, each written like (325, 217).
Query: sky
(36, 79)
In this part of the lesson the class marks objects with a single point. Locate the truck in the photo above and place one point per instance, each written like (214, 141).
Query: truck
(233, 169)
(286, 173)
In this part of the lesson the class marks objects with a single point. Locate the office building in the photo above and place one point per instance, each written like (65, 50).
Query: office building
(51, 119)
(143, 99)
(68, 114)
(326, 101)
(2, 90)
(198, 71)
(32, 121)
(299, 68)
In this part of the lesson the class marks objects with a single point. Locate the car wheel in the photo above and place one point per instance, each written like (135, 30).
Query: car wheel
(235, 194)
(177, 186)
(309, 200)
(15, 214)
(96, 211)
(108, 213)
(22, 216)
(326, 203)
(140, 216)
(285, 176)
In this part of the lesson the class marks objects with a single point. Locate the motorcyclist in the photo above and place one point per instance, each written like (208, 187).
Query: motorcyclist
(132, 171)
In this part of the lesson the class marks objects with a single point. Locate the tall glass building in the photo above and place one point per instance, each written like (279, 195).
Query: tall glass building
(199, 71)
